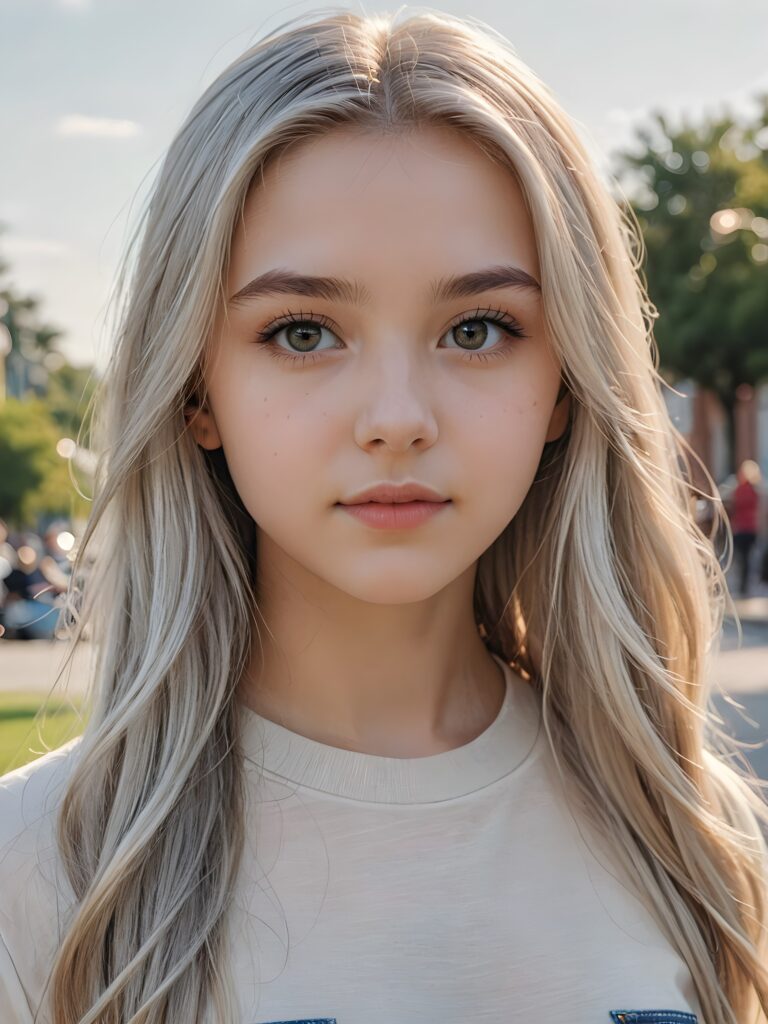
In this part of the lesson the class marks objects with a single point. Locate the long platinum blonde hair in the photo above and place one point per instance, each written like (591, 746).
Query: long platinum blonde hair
(602, 591)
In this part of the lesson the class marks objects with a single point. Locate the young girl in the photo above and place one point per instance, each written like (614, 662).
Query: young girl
(403, 626)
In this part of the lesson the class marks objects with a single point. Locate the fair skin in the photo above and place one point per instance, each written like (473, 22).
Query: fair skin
(372, 643)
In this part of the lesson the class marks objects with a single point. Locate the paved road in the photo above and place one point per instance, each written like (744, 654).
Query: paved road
(742, 673)
(741, 676)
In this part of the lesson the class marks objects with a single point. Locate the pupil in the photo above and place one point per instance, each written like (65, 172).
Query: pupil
(304, 329)
(482, 329)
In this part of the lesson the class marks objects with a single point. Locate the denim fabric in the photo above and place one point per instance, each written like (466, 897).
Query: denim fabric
(619, 1016)
(653, 1017)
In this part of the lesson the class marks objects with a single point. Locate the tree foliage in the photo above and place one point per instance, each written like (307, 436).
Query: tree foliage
(34, 478)
(700, 195)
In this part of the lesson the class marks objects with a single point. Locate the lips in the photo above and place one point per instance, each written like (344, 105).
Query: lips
(395, 494)
(394, 515)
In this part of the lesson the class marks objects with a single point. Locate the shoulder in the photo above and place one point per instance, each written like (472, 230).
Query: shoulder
(34, 891)
(29, 799)
(29, 795)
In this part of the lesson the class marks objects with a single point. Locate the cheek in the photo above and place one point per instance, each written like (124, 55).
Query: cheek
(501, 454)
(273, 450)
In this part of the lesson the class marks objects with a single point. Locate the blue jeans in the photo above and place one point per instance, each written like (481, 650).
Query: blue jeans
(653, 1017)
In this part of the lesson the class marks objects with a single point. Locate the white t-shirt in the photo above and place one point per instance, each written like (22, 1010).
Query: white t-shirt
(453, 888)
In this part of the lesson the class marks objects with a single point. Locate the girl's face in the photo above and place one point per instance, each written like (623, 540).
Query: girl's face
(390, 374)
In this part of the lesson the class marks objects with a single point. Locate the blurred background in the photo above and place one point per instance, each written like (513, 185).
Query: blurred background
(671, 99)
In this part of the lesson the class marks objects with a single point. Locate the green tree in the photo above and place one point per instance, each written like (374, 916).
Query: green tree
(68, 398)
(34, 478)
(700, 195)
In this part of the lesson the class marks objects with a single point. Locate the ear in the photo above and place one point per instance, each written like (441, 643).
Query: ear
(560, 414)
(202, 423)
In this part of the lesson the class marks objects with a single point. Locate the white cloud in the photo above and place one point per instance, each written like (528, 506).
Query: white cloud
(74, 5)
(96, 127)
(11, 210)
(18, 245)
(739, 103)
(621, 116)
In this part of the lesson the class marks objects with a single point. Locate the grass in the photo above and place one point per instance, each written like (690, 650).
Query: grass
(23, 737)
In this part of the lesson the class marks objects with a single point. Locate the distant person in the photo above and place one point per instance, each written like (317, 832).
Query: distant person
(30, 609)
(743, 515)
(52, 548)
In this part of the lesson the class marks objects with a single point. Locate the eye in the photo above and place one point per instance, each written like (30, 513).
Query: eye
(305, 330)
(474, 331)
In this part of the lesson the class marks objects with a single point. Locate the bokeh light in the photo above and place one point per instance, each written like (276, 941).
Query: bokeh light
(26, 554)
(65, 540)
(66, 448)
(724, 221)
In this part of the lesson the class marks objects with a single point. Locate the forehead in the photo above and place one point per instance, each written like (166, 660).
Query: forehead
(420, 203)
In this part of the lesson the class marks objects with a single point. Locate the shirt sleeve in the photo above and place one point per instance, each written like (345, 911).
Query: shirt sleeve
(13, 998)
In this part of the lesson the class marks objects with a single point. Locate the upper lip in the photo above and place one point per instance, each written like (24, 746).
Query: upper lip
(395, 493)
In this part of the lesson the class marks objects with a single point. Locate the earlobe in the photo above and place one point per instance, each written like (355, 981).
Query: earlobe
(202, 423)
(558, 422)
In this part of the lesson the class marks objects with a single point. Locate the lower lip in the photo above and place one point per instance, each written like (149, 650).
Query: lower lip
(396, 515)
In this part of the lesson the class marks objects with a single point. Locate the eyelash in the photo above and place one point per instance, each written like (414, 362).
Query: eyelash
(507, 323)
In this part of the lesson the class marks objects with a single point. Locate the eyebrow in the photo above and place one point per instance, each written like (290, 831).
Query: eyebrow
(287, 282)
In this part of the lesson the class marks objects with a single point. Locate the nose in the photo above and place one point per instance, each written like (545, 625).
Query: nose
(396, 407)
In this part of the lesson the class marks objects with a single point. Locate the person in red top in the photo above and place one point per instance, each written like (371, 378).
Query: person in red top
(743, 517)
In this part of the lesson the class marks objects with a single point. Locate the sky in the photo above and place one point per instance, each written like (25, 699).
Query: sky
(93, 91)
